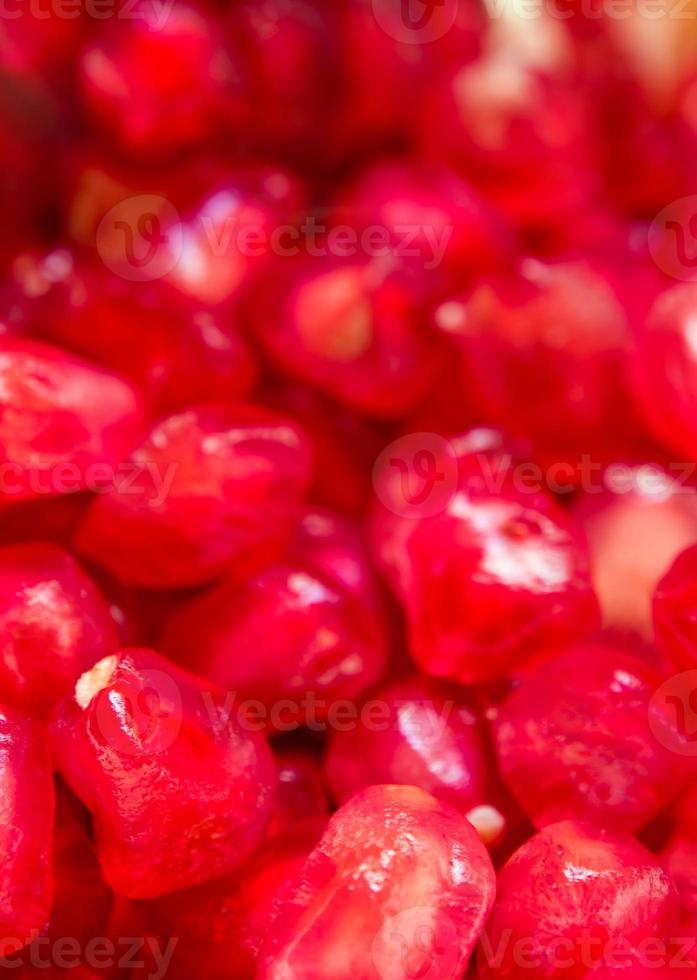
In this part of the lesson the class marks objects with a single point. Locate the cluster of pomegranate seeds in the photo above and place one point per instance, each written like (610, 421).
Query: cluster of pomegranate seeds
(348, 490)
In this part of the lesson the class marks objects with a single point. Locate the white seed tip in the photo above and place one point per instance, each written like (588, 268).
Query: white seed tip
(95, 680)
(488, 822)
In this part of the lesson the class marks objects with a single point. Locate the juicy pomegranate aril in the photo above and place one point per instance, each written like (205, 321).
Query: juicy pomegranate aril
(395, 869)
(179, 793)
(214, 485)
(571, 896)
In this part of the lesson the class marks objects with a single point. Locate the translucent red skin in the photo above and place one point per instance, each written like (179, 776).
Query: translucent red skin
(176, 353)
(156, 87)
(62, 416)
(499, 577)
(674, 606)
(553, 332)
(566, 893)
(26, 831)
(664, 372)
(388, 850)
(352, 328)
(579, 739)
(429, 736)
(205, 786)
(238, 474)
(220, 925)
(293, 628)
(54, 624)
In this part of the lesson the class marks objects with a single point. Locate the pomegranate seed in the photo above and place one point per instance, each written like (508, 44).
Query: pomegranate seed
(519, 132)
(326, 641)
(225, 238)
(352, 329)
(433, 219)
(158, 85)
(63, 421)
(82, 901)
(209, 488)
(498, 576)
(425, 733)
(205, 786)
(53, 623)
(288, 48)
(636, 527)
(555, 333)
(583, 737)
(394, 867)
(569, 897)
(175, 353)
